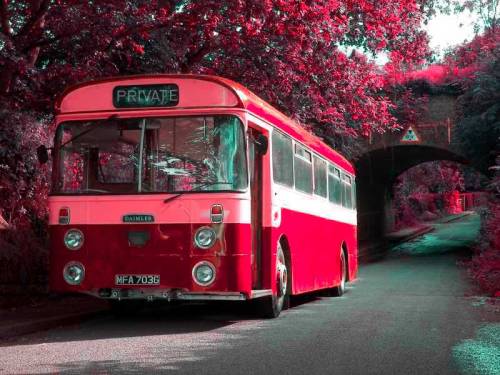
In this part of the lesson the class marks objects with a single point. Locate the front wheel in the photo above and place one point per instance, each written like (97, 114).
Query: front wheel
(270, 307)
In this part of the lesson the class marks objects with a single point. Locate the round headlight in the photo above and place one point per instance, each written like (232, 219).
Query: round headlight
(74, 273)
(204, 273)
(73, 239)
(205, 237)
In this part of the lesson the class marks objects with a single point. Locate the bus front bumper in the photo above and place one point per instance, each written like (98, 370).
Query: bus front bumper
(175, 294)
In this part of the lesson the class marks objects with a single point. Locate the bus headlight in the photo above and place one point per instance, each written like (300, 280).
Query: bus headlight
(73, 239)
(205, 237)
(204, 273)
(74, 273)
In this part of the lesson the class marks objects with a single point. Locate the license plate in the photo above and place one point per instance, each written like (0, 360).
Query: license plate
(137, 279)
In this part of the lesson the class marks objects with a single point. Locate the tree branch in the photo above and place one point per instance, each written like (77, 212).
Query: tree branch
(4, 36)
(36, 18)
(193, 58)
(494, 20)
(128, 32)
(45, 42)
(4, 18)
(41, 43)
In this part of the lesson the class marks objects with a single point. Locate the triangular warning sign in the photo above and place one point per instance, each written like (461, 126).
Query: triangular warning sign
(410, 136)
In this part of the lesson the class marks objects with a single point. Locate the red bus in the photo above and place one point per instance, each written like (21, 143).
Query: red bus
(186, 187)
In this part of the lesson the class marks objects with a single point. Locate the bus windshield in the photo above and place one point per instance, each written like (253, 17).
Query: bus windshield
(151, 155)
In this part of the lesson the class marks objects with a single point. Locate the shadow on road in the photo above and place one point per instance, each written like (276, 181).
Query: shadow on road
(154, 320)
(113, 367)
(159, 319)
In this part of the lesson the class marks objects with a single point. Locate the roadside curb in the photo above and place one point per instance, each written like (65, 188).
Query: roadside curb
(33, 326)
(393, 240)
(379, 251)
(454, 218)
(376, 252)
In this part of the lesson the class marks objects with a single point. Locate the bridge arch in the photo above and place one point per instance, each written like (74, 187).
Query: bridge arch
(377, 171)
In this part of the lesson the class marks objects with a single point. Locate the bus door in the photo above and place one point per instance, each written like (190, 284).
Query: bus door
(257, 144)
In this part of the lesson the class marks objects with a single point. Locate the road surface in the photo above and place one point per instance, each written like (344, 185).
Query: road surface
(412, 313)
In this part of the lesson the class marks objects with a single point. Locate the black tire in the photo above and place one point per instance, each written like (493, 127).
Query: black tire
(339, 290)
(125, 308)
(270, 307)
(267, 307)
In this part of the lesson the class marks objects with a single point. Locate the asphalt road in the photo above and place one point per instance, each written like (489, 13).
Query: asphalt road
(412, 313)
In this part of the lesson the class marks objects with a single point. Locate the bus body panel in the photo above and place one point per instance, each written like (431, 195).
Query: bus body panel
(315, 231)
(169, 250)
(187, 208)
(193, 93)
(315, 246)
(169, 253)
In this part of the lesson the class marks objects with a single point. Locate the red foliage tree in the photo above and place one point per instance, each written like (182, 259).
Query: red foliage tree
(479, 139)
(287, 51)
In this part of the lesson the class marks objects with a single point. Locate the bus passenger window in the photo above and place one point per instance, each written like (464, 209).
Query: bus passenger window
(334, 185)
(320, 177)
(347, 197)
(303, 170)
(354, 195)
(282, 159)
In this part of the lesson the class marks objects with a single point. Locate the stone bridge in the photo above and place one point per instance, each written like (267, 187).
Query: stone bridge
(389, 155)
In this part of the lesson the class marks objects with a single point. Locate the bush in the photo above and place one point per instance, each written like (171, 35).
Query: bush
(23, 257)
(485, 264)
(23, 195)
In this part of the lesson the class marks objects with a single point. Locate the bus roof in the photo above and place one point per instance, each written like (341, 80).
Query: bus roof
(97, 96)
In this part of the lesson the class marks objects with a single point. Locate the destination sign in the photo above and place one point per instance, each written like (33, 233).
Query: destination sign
(146, 96)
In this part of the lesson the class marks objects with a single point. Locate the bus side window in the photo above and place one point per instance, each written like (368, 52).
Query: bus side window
(320, 177)
(347, 196)
(282, 152)
(334, 185)
(303, 170)
(354, 194)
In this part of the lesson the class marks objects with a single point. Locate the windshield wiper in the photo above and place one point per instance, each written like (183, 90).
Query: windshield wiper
(198, 188)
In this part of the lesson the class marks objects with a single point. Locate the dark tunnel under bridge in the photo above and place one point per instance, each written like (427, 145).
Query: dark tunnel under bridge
(377, 171)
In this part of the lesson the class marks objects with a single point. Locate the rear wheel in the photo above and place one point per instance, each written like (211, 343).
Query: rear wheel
(270, 307)
(339, 290)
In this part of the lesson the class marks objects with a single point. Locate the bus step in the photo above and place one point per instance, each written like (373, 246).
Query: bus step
(257, 293)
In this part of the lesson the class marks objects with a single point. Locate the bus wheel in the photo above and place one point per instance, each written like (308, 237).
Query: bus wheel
(125, 308)
(339, 290)
(270, 307)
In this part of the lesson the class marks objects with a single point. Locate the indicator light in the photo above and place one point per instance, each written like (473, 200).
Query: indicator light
(64, 216)
(217, 213)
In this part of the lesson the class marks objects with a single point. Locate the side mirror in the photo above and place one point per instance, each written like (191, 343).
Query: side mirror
(261, 144)
(43, 154)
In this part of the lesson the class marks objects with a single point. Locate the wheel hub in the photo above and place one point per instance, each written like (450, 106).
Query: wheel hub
(282, 278)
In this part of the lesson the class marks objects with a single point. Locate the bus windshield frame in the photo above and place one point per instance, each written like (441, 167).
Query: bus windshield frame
(151, 155)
